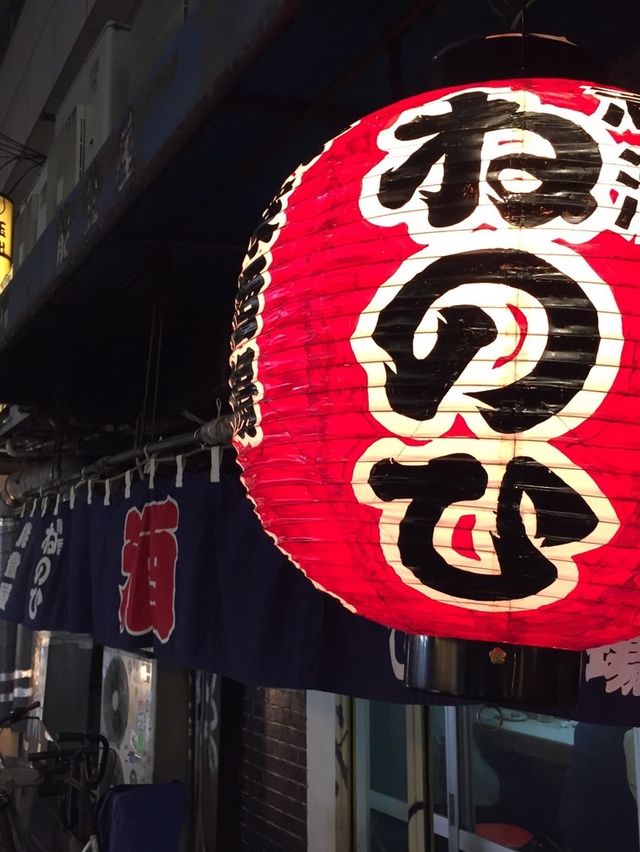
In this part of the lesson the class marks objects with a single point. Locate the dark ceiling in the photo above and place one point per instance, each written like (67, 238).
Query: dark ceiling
(332, 63)
(9, 14)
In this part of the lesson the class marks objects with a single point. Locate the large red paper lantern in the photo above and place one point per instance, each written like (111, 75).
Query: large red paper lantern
(434, 365)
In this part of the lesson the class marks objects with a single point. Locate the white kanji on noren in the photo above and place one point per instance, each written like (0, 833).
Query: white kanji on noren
(23, 538)
(619, 664)
(53, 541)
(13, 563)
(40, 577)
(5, 591)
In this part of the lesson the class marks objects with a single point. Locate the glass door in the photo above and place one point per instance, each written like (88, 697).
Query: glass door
(443, 774)
(511, 779)
(498, 779)
(389, 765)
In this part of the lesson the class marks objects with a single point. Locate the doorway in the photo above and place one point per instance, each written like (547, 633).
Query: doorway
(479, 778)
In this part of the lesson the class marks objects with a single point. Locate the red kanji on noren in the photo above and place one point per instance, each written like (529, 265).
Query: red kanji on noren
(149, 556)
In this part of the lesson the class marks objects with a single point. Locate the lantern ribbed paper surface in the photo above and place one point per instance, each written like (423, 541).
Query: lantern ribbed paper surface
(435, 365)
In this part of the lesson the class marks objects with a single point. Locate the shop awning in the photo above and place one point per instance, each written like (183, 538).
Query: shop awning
(176, 561)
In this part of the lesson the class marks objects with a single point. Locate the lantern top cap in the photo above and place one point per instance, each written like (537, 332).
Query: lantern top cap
(508, 55)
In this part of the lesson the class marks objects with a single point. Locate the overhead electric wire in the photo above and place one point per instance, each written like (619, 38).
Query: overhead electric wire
(13, 152)
(19, 180)
(11, 145)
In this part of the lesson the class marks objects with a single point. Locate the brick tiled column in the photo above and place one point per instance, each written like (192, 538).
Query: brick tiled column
(273, 773)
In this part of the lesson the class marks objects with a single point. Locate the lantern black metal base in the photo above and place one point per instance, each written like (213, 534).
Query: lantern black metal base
(493, 671)
(511, 54)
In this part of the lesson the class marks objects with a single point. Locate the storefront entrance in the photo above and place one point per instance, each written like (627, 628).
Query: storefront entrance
(494, 779)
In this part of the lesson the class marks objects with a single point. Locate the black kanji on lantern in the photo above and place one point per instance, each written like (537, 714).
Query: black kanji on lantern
(415, 387)
(562, 516)
(456, 139)
(242, 380)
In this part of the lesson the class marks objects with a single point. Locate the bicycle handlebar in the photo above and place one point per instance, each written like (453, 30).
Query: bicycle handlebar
(87, 744)
(73, 737)
(19, 714)
(28, 707)
(89, 740)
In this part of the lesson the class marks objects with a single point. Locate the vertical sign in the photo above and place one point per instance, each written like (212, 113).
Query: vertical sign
(6, 240)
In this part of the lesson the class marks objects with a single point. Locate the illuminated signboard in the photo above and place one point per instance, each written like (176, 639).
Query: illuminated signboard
(6, 239)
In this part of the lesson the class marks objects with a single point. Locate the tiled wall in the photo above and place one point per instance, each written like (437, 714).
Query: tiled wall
(273, 773)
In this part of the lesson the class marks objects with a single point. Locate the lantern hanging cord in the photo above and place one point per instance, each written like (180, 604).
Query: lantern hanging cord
(14, 186)
(519, 22)
(512, 12)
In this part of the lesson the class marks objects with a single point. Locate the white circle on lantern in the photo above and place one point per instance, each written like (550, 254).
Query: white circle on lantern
(516, 180)
(481, 374)
(496, 299)
(494, 456)
(513, 142)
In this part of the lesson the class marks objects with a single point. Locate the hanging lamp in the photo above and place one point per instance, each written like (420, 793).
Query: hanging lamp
(434, 373)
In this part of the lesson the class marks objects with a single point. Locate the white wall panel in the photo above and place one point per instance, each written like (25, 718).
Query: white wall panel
(34, 59)
(51, 41)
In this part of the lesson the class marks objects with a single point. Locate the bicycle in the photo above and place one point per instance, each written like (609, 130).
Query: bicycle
(73, 773)
(70, 773)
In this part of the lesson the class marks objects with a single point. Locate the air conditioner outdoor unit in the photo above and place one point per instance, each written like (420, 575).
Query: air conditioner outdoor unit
(128, 713)
(67, 157)
(102, 86)
(105, 81)
(144, 714)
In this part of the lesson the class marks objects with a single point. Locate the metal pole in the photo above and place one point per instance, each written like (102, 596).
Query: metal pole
(216, 432)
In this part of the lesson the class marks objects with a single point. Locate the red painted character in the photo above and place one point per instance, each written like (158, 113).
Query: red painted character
(149, 556)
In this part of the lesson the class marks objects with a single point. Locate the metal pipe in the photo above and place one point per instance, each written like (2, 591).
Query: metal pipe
(33, 478)
(217, 432)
